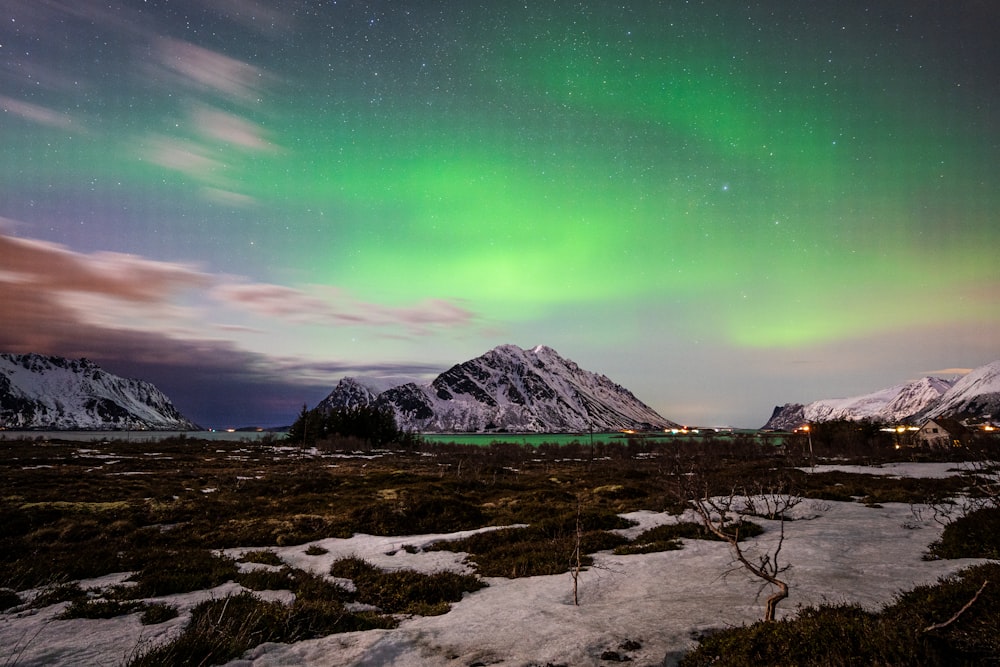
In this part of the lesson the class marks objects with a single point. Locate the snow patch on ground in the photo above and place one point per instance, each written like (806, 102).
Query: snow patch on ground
(839, 552)
(914, 470)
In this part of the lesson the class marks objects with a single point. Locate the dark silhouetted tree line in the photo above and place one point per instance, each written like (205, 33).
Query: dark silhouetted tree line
(846, 438)
(372, 425)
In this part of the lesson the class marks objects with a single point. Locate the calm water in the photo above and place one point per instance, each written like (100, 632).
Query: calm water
(482, 439)
(136, 436)
(535, 439)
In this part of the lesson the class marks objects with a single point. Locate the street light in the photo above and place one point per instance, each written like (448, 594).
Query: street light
(808, 430)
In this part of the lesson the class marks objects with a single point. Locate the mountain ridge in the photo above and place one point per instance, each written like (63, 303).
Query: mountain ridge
(56, 393)
(975, 395)
(509, 389)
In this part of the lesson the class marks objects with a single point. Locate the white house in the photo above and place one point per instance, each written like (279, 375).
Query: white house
(942, 432)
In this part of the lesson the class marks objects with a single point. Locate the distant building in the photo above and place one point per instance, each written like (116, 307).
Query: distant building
(942, 432)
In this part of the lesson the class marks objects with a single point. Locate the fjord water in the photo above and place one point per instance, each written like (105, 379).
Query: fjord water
(137, 436)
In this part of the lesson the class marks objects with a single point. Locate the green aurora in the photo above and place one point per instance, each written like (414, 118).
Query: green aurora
(777, 179)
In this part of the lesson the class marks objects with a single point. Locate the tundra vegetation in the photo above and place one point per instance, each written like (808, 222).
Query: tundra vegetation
(164, 511)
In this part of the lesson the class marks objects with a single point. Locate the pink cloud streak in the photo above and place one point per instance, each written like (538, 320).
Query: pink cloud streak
(105, 288)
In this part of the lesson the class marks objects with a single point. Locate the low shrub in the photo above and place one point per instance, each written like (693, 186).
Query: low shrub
(405, 591)
(648, 546)
(219, 631)
(431, 515)
(529, 552)
(975, 535)
(316, 550)
(157, 612)
(9, 599)
(266, 580)
(62, 562)
(309, 618)
(874, 489)
(262, 556)
(222, 630)
(567, 522)
(902, 633)
(668, 536)
(806, 640)
(99, 608)
(182, 571)
(60, 593)
(309, 586)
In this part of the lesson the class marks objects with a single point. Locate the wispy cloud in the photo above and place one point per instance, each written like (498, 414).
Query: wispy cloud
(184, 156)
(201, 162)
(950, 371)
(53, 268)
(230, 128)
(390, 374)
(331, 306)
(209, 70)
(277, 301)
(37, 114)
(119, 286)
(50, 292)
(228, 197)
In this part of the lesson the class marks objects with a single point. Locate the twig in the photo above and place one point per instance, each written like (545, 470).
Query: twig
(575, 561)
(938, 626)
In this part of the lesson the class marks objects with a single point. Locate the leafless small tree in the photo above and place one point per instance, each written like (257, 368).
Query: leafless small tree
(985, 481)
(725, 517)
(982, 492)
(576, 559)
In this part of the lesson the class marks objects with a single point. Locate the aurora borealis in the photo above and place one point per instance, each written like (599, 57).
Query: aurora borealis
(721, 206)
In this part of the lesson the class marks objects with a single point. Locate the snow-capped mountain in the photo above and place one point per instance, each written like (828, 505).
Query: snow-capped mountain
(510, 389)
(41, 392)
(975, 395)
(349, 393)
(887, 405)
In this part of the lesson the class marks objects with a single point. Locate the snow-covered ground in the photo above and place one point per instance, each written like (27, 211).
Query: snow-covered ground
(839, 552)
(899, 469)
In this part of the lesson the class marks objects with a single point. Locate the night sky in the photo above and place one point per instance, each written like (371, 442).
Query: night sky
(722, 206)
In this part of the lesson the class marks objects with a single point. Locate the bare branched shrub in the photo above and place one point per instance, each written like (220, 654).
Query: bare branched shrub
(981, 495)
(726, 516)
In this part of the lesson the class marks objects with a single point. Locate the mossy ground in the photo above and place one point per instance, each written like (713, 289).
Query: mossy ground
(162, 511)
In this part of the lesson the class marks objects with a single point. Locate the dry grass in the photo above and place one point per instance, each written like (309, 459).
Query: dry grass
(161, 511)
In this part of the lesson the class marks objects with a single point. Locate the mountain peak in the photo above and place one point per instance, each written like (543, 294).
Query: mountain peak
(977, 394)
(349, 393)
(47, 392)
(512, 389)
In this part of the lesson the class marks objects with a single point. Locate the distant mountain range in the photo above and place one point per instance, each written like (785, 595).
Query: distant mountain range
(54, 393)
(975, 395)
(508, 389)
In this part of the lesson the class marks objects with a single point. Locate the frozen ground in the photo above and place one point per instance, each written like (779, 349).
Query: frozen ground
(923, 470)
(839, 552)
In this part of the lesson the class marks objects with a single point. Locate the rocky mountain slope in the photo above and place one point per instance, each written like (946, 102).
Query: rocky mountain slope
(977, 394)
(349, 393)
(41, 392)
(510, 389)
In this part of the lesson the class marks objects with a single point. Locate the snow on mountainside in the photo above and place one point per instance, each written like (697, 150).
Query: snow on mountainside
(40, 392)
(349, 393)
(510, 389)
(975, 395)
(890, 405)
